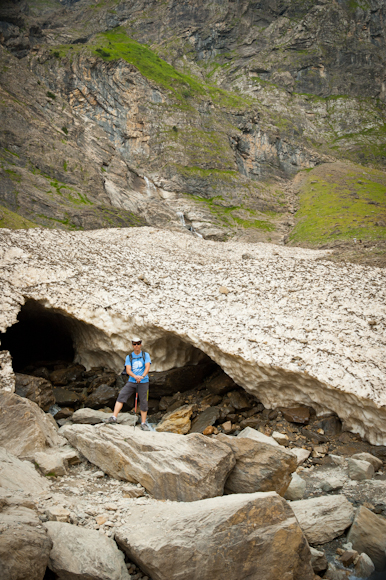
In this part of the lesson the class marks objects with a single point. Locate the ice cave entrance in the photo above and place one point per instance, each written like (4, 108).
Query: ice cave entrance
(44, 335)
(41, 334)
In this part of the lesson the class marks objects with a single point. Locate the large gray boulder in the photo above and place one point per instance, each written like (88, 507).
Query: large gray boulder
(83, 554)
(259, 466)
(24, 547)
(93, 417)
(36, 389)
(323, 518)
(237, 537)
(169, 466)
(19, 476)
(24, 427)
(368, 534)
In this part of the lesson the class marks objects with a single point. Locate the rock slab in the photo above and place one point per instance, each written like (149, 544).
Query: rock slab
(368, 534)
(24, 427)
(237, 537)
(93, 417)
(323, 518)
(167, 465)
(24, 548)
(83, 554)
(259, 466)
(20, 476)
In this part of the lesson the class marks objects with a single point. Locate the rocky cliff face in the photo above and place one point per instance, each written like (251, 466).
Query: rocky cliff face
(229, 101)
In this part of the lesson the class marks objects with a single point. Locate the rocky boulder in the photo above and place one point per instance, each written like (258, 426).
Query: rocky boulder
(24, 427)
(375, 462)
(181, 379)
(65, 397)
(93, 417)
(51, 464)
(259, 466)
(205, 419)
(296, 414)
(83, 554)
(67, 375)
(103, 396)
(238, 537)
(169, 466)
(323, 518)
(368, 534)
(24, 547)
(36, 389)
(20, 476)
(220, 383)
(177, 421)
(359, 469)
(238, 400)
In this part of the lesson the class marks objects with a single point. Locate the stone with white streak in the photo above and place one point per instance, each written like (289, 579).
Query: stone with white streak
(169, 466)
(83, 554)
(304, 351)
(323, 518)
(238, 537)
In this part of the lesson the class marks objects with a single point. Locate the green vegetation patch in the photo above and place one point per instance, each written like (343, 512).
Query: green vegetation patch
(13, 221)
(116, 44)
(230, 215)
(338, 203)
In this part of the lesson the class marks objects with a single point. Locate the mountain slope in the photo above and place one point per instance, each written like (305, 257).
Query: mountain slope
(226, 104)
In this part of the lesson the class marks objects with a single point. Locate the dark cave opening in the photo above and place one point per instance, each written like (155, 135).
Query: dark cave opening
(41, 334)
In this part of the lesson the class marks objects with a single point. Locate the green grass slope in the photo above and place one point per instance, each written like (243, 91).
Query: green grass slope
(13, 221)
(340, 201)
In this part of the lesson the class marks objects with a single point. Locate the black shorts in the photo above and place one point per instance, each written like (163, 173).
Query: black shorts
(130, 388)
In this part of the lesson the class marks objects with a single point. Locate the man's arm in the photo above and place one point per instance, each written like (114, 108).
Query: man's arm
(147, 369)
(130, 373)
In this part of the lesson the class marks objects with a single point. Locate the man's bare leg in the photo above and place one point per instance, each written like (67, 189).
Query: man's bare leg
(143, 416)
(117, 408)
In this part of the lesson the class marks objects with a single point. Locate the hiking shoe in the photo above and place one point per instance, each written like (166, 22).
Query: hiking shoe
(145, 427)
(112, 420)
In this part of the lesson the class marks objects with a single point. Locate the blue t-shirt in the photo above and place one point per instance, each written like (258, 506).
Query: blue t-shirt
(138, 367)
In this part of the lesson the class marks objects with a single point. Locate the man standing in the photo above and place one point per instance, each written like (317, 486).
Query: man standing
(137, 367)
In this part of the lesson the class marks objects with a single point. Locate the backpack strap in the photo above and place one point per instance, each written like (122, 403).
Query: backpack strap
(143, 356)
